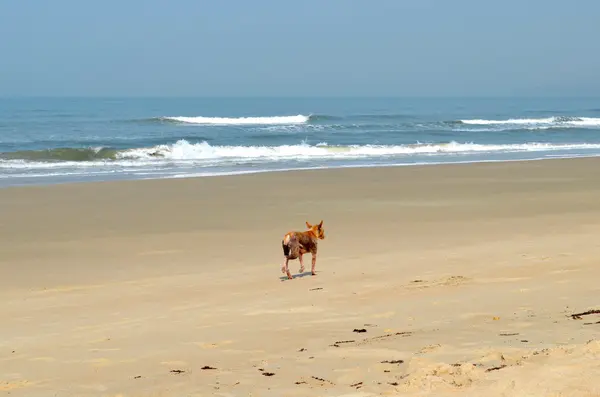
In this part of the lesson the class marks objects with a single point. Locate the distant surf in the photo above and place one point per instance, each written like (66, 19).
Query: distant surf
(386, 119)
(557, 121)
(268, 120)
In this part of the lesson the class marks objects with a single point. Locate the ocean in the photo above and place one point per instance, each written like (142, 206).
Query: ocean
(58, 140)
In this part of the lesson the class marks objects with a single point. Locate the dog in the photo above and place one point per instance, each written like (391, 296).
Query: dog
(295, 244)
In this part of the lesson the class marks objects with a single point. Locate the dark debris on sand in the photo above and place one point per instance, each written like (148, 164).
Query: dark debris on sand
(392, 361)
(322, 380)
(405, 333)
(338, 343)
(266, 373)
(495, 368)
(577, 316)
(357, 385)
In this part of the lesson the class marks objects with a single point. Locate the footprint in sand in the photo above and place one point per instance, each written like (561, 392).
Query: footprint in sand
(441, 282)
(430, 348)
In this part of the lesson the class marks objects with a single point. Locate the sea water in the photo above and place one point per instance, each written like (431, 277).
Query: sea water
(56, 140)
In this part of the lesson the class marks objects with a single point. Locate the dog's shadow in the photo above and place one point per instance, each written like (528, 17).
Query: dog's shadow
(295, 276)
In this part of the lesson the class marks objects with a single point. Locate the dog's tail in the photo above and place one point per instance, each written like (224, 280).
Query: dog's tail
(291, 246)
(286, 248)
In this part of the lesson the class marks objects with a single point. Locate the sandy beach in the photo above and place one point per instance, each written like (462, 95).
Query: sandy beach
(432, 280)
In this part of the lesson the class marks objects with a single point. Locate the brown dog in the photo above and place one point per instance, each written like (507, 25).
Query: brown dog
(296, 244)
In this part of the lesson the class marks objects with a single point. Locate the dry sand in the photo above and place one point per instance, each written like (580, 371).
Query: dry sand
(463, 278)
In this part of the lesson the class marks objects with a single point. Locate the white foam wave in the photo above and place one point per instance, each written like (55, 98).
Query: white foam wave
(183, 154)
(183, 150)
(298, 119)
(19, 164)
(548, 121)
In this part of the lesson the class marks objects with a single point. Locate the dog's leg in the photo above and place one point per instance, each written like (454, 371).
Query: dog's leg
(284, 265)
(287, 270)
(314, 263)
(301, 263)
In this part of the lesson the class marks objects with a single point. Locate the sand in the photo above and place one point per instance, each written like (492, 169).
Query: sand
(461, 280)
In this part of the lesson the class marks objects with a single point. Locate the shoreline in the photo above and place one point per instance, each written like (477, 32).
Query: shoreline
(459, 278)
(293, 170)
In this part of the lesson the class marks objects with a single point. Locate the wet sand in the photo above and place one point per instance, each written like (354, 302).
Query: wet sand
(432, 280)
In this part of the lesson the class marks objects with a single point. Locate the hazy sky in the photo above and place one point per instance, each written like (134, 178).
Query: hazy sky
(303, 47)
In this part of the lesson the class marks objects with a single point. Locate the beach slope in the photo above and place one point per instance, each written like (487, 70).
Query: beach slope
(432, 280)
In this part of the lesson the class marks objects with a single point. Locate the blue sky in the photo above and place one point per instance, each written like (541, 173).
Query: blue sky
(306, 48)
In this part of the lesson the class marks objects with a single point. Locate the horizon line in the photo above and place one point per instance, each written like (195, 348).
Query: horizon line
(117, 96)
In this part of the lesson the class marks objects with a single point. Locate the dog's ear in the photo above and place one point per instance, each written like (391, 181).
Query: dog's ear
(321, 224)
(308, 225)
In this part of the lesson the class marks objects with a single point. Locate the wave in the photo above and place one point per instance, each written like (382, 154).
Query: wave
(183, 150)
(558, 121)
(63, 154)
(276, 120)
(391, 120)
(359, 117)
(324, 117)
(268, 120)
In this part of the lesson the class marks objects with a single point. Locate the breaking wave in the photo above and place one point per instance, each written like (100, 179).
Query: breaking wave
(277, 120)
(560, 121)
(183, 150)
(298, 119)
(384, 120)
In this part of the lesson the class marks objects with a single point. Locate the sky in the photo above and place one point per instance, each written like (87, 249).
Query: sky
(299, 48)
